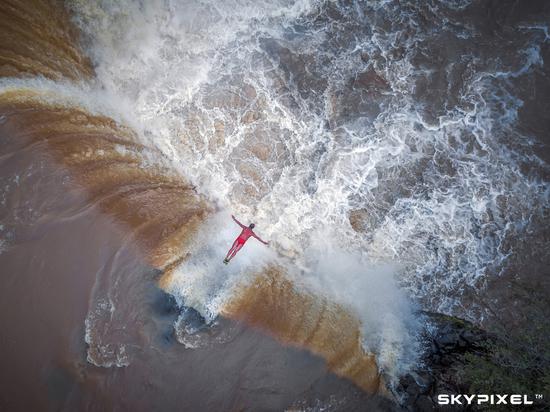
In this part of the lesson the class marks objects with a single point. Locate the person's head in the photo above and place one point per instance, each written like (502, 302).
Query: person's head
(251, 226)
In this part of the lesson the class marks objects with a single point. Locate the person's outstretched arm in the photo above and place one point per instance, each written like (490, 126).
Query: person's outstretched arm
(257, 237)
(239, 223)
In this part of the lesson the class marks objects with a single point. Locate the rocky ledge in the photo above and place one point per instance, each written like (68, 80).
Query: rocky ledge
(450, 341)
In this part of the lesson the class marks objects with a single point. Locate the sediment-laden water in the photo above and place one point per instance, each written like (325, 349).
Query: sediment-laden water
(392, 152)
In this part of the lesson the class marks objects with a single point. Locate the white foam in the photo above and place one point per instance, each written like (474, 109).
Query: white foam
(203, 281)
(103, 353)
(433, 189)
(389, 322)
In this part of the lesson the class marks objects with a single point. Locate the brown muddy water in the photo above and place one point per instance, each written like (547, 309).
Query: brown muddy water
(70, 241)
(48, 275)
(394, 153)
(86, 228)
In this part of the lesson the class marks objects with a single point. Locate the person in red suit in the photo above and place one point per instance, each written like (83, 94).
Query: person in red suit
(246, 233)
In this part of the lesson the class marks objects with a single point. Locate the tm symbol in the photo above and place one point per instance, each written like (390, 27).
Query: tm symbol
(538, 396)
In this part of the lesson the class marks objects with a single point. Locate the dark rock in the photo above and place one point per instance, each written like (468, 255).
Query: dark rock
(425, 380)
(424, 404)
(413, 391)
(468, 336)
(407, 381)
(447, 360)
(447, 341)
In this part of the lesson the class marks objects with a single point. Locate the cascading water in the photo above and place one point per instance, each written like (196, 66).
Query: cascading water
(381, 147)
(327, 124)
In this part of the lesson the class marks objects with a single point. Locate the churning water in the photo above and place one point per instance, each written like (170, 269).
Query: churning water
(378, 145)
(374, 143)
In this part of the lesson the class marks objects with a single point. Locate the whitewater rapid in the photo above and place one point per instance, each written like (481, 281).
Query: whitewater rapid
(385, 177)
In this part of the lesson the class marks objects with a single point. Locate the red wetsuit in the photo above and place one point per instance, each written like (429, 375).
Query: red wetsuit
(246, 233)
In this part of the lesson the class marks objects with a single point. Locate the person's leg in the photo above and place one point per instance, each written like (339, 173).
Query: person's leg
(235, 244)
(239, 246)
(233, 247)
